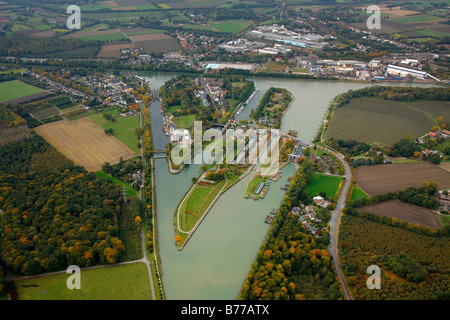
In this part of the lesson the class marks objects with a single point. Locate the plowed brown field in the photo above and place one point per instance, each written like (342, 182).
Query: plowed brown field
(85, 143)
(386, 178)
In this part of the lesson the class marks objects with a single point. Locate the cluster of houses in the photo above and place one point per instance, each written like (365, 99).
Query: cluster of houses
(57, 87)
(308, 217)
(444, 134)
(440, 134)
(325, 163)
(108, 85)
(193, 42)
(4, 21)
(443, 199)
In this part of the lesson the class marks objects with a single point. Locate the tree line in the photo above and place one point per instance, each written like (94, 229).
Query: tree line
(289, 253)
(395, 93)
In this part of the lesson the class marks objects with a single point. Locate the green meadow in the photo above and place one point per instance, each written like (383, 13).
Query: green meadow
(124, 127)
(323, 183)
(16, 89)
(122, 282)
(357, 193)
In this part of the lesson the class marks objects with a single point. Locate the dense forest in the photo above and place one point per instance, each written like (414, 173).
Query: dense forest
(413, 265)
(54, 213)
(292, 263)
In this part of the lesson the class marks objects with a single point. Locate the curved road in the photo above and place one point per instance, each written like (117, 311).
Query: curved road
(336, 219)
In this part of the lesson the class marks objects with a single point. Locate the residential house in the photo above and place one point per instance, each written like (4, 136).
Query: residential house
(443, 201)
(296, 211)
(318, 200)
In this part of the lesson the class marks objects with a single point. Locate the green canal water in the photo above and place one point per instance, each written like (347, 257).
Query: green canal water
(215, 261)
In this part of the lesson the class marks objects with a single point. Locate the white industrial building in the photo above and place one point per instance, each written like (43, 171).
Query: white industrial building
(397, 71)
(180, 136)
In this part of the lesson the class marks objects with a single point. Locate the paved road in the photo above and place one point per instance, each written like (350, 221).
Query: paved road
(334, 223)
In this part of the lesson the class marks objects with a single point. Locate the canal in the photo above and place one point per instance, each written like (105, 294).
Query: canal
(215, 261)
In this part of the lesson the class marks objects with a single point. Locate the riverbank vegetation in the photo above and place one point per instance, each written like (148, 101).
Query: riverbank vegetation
(292, 263)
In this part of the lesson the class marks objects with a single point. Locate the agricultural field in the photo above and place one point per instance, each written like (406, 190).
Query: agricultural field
(51, 107)
(432, 33)
(418, 18)
(275, 66)
(405, 212)
(139, 31)
(381, 179)
(434, 109)
(323, 183)
(120, 282)
(445, 166)
(85, 52)
(14, 71)
(15, 89)
(384, 122)
(181, 4)
(119, 5)
(85, 143)
(229, 26)
(155, 42)
(124, 127)
(399, 20)
(396, 12)
(106, 35)
(112, 50)
(96, 27)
